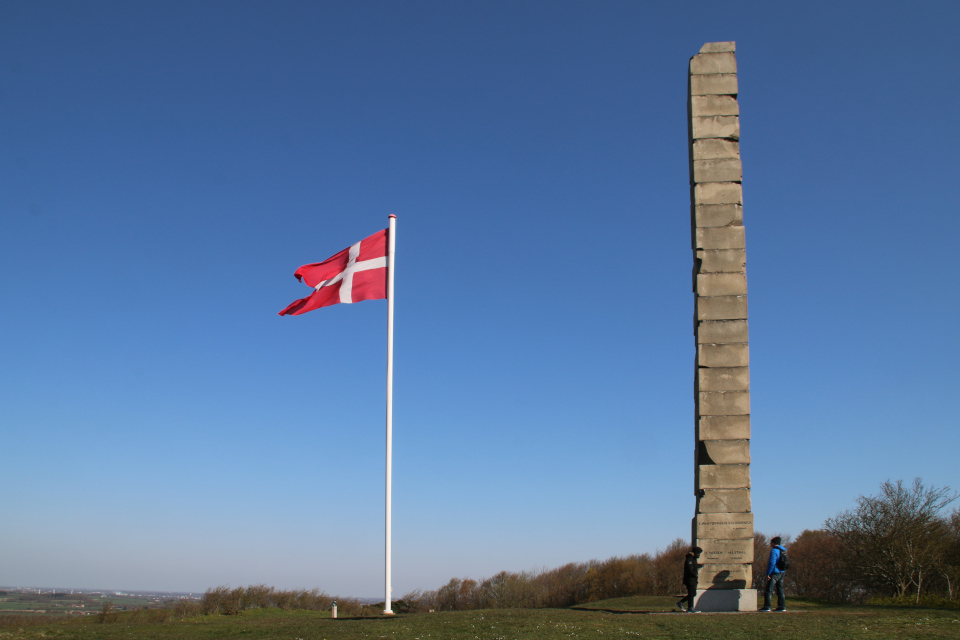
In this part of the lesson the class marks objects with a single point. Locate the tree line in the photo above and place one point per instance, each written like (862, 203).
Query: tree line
(572, 584)
(226, 601)
(898, 544)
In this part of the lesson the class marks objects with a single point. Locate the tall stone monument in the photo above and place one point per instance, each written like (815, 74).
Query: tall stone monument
(723, 524)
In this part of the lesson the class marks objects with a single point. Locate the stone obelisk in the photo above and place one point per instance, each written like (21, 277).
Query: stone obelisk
(723, 525)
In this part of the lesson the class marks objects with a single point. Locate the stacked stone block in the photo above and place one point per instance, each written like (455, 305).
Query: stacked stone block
(723, 525)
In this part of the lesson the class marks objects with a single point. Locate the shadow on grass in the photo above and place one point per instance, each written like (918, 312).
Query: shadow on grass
(639, 612)
(910, 607)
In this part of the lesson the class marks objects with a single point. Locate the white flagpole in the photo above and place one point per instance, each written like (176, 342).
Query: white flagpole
(391, 247)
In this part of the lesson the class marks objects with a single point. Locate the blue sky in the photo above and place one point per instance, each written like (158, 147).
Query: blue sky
(165, 167)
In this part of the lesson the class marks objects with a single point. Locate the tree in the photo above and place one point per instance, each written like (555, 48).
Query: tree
(564, 586)
(761, 553)
(894, 542)
(815, 561)
(668, 568)
(950, 568)
(448, 596)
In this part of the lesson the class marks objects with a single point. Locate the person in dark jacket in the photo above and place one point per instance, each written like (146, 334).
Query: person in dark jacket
(690, 569)
(774, 577)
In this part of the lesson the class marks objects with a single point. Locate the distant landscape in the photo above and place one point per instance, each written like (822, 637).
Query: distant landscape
(889, 567)
(39, 601)
(900, 546)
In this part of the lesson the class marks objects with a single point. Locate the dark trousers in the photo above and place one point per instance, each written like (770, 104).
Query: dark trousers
(691, 593)
(774, 581)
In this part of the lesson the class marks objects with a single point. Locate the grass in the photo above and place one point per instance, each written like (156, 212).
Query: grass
(630, 618)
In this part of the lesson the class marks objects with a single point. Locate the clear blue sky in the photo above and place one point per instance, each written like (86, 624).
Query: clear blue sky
(166, 166)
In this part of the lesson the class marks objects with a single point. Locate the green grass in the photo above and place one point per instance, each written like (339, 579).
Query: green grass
(629, 618)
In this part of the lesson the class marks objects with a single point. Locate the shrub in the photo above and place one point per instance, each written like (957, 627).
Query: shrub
(107, 613)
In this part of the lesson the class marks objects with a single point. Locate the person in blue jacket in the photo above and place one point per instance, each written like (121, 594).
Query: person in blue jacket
(774, 577)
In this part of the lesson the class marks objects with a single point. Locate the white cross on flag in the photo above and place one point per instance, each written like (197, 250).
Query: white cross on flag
(356, 273)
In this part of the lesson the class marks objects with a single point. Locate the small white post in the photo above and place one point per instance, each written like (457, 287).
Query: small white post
(391, 247)
(333, 610)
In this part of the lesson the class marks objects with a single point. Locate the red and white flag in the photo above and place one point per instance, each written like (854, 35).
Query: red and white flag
(356, 273)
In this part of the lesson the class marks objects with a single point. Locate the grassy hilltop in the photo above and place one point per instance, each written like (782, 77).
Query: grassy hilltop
(633, 617)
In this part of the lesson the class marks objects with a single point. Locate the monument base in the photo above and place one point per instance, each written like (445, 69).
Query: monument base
(726, 600)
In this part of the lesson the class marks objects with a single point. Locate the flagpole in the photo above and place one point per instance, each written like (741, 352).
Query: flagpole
(391, 247)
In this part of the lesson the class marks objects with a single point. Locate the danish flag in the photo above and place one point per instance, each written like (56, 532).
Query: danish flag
(357, 273)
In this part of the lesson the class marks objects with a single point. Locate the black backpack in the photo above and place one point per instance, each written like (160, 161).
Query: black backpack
(783, 562)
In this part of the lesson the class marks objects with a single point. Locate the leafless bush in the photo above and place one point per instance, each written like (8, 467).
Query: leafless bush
(893, 543)
(226, 601)
(761, 551)
(563, 586)
(816, 560)
(183, 608)
(507, 590)
(258, 596)
(950, 569)
(668, 568)
(626, 576)
(237, 601)
(284, 600)
(213, 600)
(107, 613)
(570, 584)
(411, 602)
(314, 600)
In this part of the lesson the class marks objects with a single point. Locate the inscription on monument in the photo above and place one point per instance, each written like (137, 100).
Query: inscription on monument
(726, 551)
(724, 526)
